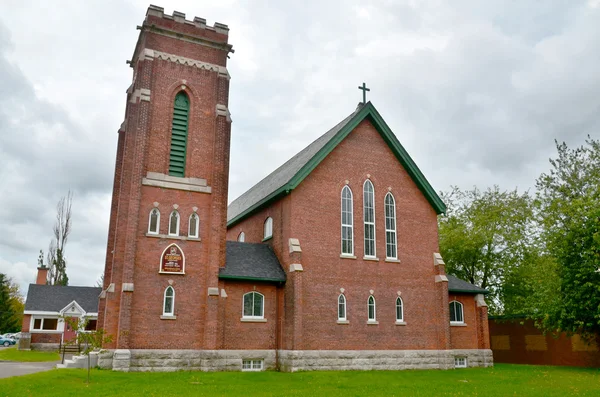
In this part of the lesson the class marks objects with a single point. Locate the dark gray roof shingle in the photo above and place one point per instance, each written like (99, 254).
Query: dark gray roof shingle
(455, 284)
(53, 298)
(248, 261)
(283, 174)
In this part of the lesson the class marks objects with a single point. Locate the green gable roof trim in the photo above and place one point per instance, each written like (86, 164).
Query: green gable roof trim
(287, 177)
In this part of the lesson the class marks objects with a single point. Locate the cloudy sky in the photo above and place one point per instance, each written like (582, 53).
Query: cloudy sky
(476, 91)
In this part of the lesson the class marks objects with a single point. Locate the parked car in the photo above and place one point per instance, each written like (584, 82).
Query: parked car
(7, 342)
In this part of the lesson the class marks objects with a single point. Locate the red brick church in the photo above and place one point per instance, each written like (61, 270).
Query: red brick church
(330, 262)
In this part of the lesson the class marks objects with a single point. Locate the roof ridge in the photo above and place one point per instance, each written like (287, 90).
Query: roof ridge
(293, 158)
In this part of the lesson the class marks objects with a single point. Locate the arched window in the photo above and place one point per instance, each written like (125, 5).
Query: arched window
(179, 132)
(369, 218)
(268, 228)
(193, 225)
(174, 224)
(254, 303)
(347, 222)
(242, 237)
(154, 221)
(456, 313)
(391, 251)
(341, 308)
(169, 302)
(371, 308)
(399, 310)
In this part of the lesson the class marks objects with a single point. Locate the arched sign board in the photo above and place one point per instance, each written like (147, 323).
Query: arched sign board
(172, 260)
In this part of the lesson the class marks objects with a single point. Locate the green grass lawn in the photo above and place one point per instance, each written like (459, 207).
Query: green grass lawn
(502, 380)
(12, 354)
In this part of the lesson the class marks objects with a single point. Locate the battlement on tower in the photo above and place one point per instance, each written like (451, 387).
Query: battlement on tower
(155, 16)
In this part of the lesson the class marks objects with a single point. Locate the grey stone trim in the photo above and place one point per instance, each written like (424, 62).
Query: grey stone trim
(312, 360)
(168, 317)
(223, 111)
(121, 360)
(441, 278)
(296, 267)
(392, 260)
(138, 360)
(213, 291)
(171, 182)
(143, 360)
(479, 298)
(142, 93)
(437, 259)
(149, 54)
(253, 320)
(344, 256)
(127, 287)
(294, 245)
(370, 258)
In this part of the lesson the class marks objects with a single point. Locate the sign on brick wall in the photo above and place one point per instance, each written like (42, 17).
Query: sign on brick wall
(172, 260)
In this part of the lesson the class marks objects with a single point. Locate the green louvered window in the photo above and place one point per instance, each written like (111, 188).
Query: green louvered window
(179, 134)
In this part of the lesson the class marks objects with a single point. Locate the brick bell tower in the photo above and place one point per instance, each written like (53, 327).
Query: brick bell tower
(167, 229)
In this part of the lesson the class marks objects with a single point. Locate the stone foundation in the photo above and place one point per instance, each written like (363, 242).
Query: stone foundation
(139, 360)
(45, 346)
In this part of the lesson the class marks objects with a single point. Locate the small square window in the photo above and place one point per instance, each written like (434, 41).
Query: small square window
(37, 323)
(252, 365)
(460, 362)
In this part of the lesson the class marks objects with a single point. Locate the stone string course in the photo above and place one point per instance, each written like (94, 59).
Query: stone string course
(290, 360)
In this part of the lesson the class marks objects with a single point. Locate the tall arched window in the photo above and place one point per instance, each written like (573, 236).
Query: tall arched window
(399, 310)
(174, 224)
(154, 221)
(369, 217)
(179, 132)
(254, 304)
(193, 225)
(169, 302)
(347, 222)
(371, 308)
(268, 228)
(391, 250)
(341, 308)
(456, 313)
(242, 237)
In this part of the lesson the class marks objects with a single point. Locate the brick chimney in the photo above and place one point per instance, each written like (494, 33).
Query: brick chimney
(42, 275)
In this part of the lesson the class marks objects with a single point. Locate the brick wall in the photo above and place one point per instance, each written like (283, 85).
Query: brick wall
(518, 341)
(313, 211)
(134, 318)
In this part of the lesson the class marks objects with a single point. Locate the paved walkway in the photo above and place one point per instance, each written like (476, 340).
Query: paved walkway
(12, 368)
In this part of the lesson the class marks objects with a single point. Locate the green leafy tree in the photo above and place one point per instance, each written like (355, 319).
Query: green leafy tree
(91, 340)
(56, 260)
(11, 305)
(485, 236)
(568, 203)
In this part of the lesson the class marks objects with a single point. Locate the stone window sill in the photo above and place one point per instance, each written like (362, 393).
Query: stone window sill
(400, 323)
(343, 322)
(168, 317)
(372, 322)
(370, 258)
(253, 320)
(347, 256)
(392, 260)
(173, 237)
(458, 324)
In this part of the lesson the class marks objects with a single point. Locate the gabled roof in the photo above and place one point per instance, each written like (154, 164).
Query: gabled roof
(455, 284)
(287, 177)
(249, 261)
(53, 298)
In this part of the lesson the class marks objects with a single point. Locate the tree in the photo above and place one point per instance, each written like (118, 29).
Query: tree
(11, 305)
(485, 236)
(56, 260)
(568, 205)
